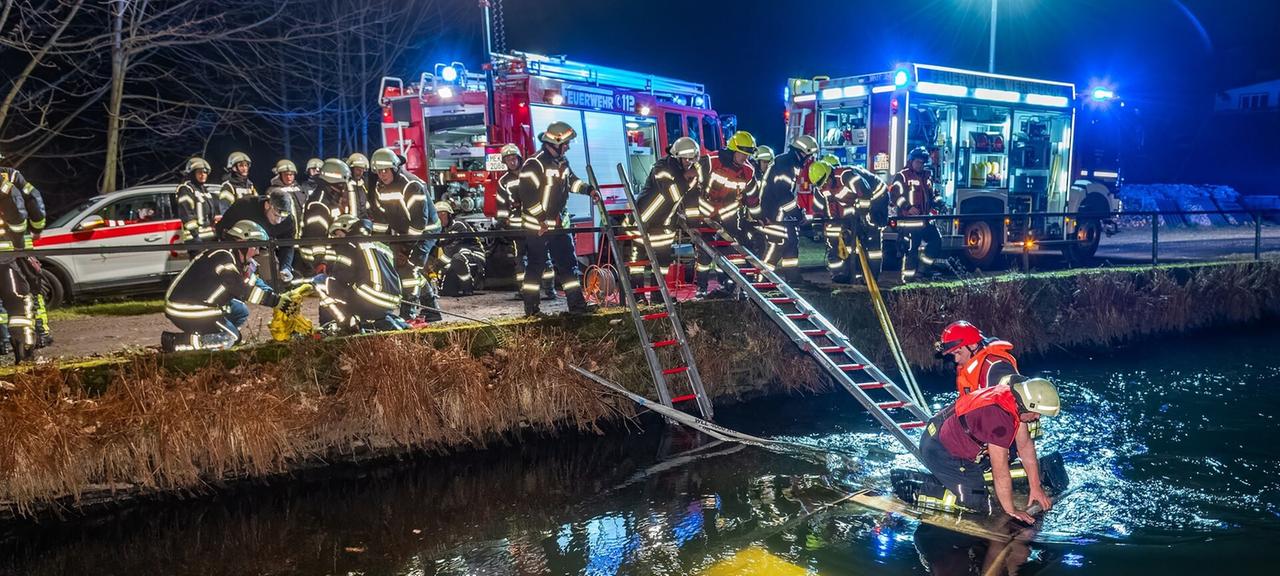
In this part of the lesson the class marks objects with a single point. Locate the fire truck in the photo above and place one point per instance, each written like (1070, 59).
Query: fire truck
(998, 144)
(451, 123)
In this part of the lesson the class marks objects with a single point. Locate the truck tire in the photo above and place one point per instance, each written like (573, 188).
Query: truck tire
(981, 244)
(1088, 231)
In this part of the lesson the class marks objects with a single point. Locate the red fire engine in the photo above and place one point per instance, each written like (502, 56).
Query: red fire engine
(997, 144)
(449, 126)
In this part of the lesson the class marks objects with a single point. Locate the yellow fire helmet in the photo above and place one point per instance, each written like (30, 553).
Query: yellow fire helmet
(819, 171)
(742, 141)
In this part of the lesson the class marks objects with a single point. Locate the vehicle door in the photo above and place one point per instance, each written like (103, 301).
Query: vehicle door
(129, 221)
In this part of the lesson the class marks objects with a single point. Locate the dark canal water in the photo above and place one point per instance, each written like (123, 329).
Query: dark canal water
(1172, 447)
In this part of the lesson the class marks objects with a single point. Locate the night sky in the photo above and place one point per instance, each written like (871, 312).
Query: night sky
(1167, 57)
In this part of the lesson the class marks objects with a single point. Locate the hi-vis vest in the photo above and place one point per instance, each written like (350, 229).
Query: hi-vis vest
(972, 377)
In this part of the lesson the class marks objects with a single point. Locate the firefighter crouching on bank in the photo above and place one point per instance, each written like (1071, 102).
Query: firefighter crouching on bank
(913, 194)
(459, 261)
(361, 290)
(402, 206)
(727, 177)
(671, 182)
(208, 300)
(545, 184)
(781, 212)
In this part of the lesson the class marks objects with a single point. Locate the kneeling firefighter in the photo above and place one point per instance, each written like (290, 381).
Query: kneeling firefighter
(208, 300)
(361, 290)
(972, 442)
(459, 260)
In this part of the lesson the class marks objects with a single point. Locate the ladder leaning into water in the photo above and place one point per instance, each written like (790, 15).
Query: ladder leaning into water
(890, 405)
(650, 265)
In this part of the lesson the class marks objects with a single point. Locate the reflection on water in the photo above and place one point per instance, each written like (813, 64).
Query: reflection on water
(1170, 455)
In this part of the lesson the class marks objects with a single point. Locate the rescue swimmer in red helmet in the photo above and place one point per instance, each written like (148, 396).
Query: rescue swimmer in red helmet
(973, 440)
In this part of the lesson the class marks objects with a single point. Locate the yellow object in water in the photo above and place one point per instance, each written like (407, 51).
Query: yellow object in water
(755, 561)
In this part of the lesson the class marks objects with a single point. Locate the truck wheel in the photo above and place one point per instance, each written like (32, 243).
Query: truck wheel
(981, 244)
(55, 293)
(1088, 234)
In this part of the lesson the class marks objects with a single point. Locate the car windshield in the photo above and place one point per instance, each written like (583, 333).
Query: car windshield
(65, 217)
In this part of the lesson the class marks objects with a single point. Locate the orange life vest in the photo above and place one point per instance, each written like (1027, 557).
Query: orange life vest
(999, 395)
(972, 377)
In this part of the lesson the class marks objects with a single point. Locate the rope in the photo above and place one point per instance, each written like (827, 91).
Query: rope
(890, 335)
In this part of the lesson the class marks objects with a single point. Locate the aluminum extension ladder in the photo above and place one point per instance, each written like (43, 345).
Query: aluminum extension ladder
(650, 347)
(808, 329)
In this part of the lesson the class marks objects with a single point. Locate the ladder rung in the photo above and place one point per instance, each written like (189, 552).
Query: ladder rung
(619, 211)
(647, 289)
(871, 385)
(800, 316)
(782, 300)
(891, 405)
(663, 343)
(749, 270)
(910, 425)
(676, 370)
(764, 285)
(685, 398)
(625, 237)
(831, 349)
(721, 243)
(654, 316)
(851, 367)
(814, 332)
(637, 263)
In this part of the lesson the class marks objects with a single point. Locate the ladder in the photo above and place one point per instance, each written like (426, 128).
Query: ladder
(890, 405)
(688, 370)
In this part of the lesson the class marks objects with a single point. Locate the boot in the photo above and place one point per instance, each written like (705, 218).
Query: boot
(430, 310)
(21, 352)
(578, 303)
(218, 341)
(43, 338)
(531, 304)
(169, 341)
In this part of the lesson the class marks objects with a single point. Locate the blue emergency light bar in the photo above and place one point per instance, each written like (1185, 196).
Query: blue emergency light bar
(563, 69)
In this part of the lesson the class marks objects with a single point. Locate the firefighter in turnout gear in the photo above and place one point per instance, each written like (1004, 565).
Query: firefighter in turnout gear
(751, 210)
(312, 181)
(459, 261)
(405, 209)
(913, 194)
(545, 184)
(359, 165)
(197, 208)
(510, 217)
(361, 291)
(728, 178)
(286, 181)
(844, 197)
(236, 184)
(667, 190)
(208, 300)
(331, 199)
(272, 213)
(781, 212)
(22, 218)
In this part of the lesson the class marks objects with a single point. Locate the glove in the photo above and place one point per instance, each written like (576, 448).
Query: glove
(286, 275)
(302, 291)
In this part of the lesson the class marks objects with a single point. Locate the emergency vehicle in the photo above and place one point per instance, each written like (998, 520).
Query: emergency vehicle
(997, 144)
(449, 126)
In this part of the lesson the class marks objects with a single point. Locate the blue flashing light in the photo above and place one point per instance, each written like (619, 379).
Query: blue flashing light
(1102, 93)
(449, 74)
(900, 78)
(698, 101)
(786, 93)
(679, 100)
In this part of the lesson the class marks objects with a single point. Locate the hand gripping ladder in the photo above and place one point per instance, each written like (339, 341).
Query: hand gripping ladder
(641, 319)
(815, 335)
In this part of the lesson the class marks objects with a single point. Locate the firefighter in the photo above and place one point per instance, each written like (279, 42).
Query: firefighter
(459, 261)
(510, 217)
(197, 208)
(404, 209)
(331, 199)
(235, 184)
(272, 213)
(359, 192)
(22, 218)
(312, 181)
(749, 217)
(913, 194)
(286, 180)
(727, 179)
(781, 213)
(671, 181)
(545, 184)
(845, 199)
(208, 300)
(361, 290)
(979, 361)
(981, 432)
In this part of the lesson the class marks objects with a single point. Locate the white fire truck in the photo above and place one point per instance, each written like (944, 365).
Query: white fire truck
(997, 144)
(449, 126)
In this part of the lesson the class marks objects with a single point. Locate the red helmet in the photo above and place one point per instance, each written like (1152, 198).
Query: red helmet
(957, 334)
